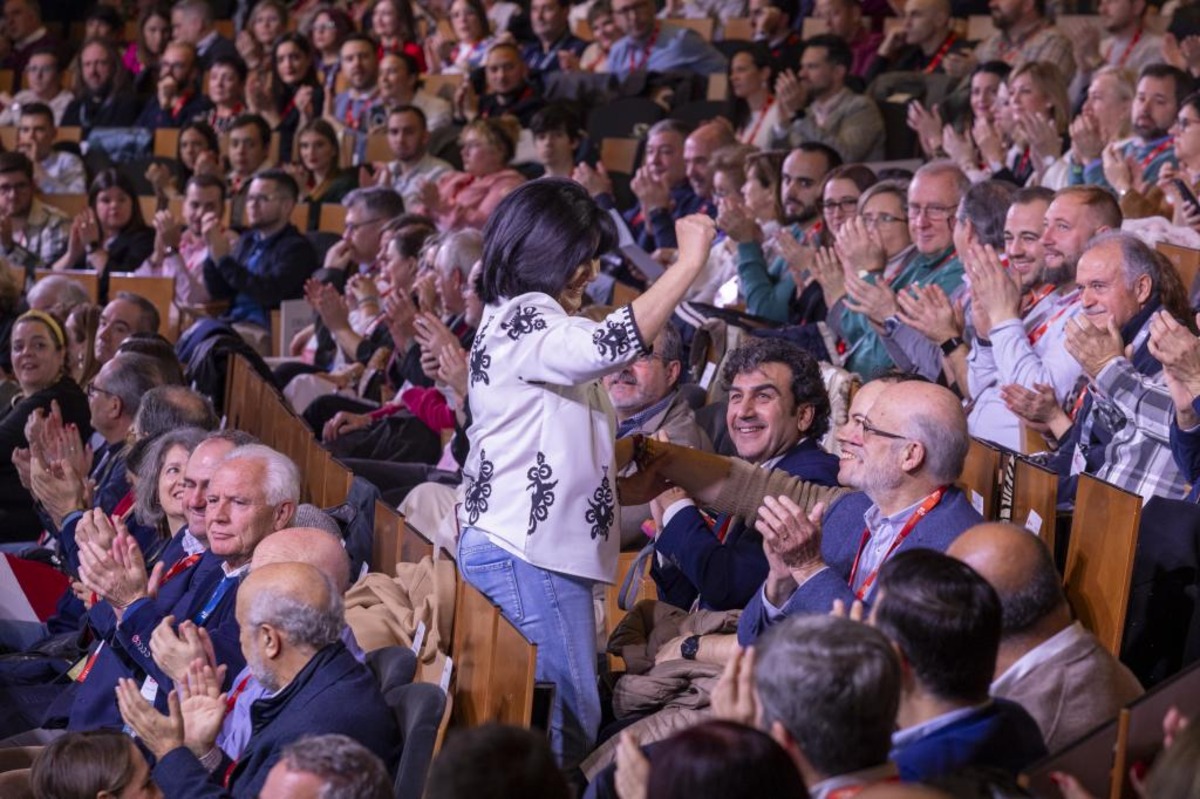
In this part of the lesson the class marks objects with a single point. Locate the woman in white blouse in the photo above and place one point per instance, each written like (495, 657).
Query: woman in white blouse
(539, 515)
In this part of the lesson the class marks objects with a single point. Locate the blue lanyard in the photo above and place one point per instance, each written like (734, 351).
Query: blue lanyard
(214, 600)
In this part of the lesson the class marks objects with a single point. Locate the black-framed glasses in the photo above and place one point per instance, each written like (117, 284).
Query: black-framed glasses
(846, 205)
(874, 220)
(870, 429)
(934, 213)
(1183, 123)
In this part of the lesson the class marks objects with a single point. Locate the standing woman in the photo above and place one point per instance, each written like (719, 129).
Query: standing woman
(39, 353)
(539, 518)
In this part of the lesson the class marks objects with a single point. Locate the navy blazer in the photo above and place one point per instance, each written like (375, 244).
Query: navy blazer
(1001, 735)
(126, 650)
(841, 533)
(333, 693)
(726, 575)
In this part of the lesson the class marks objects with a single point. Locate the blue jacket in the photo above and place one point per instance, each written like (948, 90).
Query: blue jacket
(126, 651)
(725, 575)
(658, 231)
(333, 693)
(1000, 735)
(841, 534)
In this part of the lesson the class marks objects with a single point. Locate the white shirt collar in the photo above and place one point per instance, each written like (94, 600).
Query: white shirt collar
(926, 728)
(1047, 650)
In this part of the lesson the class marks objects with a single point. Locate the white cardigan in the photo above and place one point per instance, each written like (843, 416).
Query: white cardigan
(540, 479)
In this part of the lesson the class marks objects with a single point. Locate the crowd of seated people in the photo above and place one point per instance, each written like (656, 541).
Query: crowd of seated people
(745, 336)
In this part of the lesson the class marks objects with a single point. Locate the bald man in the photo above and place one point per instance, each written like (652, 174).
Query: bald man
(902, 450)
(1048, 663)
(291, 617)
(697, 153)
(921, 44)
(320, 550)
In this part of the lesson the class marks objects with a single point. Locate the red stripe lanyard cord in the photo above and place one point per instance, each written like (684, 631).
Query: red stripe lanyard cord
(929, 504)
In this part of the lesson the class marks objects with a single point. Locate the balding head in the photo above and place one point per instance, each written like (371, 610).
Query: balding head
(287, 613)
(1017, 564)
(932, 415)
(697, 154)
(309, 545)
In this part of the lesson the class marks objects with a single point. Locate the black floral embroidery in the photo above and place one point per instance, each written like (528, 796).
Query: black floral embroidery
(600, 509)
(613, 340)
(543, 492)
(476, 500)
(479, 364)
(525, 320)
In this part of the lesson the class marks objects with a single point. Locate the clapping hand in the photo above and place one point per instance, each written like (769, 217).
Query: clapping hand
(827, 270)
(929, 311)
(799, 257)
(175, 649)
(1091, 345)
(595, 180)
(735, 219)
(995, 295)
(791, 94)
(874, 300)
(652, 193)
(161, 734)
(1086, 140)
(859, 247)
(927, 124)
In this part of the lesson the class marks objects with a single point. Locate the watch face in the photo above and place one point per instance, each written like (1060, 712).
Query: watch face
(690, 647)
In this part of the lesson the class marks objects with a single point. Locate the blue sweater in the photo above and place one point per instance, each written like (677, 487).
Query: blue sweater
(999, 735)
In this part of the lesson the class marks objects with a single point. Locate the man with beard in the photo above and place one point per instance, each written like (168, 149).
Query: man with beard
(1024, 34)
(270, 263)
(355, 110)
(408, 140)
(903, 448)
(1036, 390)
(921, 44)
(817, 106)
(646, 399)
(1126, 43)
(291, 618)
(769, 289)
(553, 41)
(104, 102)
(777, 412)
(507, 89)
(1160, 88)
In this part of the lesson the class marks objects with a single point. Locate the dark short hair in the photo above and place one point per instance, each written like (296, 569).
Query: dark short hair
(148, 319)
(202, 180)
(944, 618)
(281, 179)
(722, 758)
(173, 407)
(160, 351)
(16, 162)
(112, 178)
(808, 387)
(205, 130)
(790, 8)
(132, 375)
(539, 235)
(361, 37)
(234, 62)
(38, 110)
(1033, 194)
(1182, 81)
(382, 201)
(985, 205)
(345, 767)
(85, 764)
(255, 121)
(998, 68)
(832, 157)
(837, 52)
(496, 762)
(410, 109)
(556, 118)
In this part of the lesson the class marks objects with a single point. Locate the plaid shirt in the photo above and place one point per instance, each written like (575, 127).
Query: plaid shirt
(43, 240)
(1126, 421)
(1044, 43)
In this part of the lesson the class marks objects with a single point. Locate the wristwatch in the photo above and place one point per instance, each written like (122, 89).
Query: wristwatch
(689, 647)
(951, 344)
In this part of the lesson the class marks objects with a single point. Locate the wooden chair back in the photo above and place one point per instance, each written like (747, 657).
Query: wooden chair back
(166, 142)
(494, 664)
(1185, 260)
(1092, 760)
(739, 29)
(619, 155)
(70, 204)
(1035, 498)
(1146, 720)
(980, 477)
(1104, 533)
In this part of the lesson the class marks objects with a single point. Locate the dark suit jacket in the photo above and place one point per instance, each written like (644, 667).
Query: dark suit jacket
(288, 260)
(333, 693)
(726, 575)
(118, 110)
(842, 531)
(1000, 735)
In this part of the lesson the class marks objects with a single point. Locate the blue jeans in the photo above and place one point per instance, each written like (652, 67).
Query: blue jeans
(555, 612)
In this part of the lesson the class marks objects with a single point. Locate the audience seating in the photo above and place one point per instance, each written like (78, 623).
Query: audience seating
(1104, 534)
(166, 142)
(69, 204)
(1092, 760)
(1185, 259)
(980, 477)
(1034, 498)
(739, 28)
(619, 155)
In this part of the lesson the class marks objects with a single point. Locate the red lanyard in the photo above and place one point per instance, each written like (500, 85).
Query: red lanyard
(1128, 49)
(236, 692)
(1036, 334)
(179, 103)
(354, 120)
(1156, 152)
(633, 65)
(1034, 297)
(179, 566)
(757, 125)
(936, 61)
(1022, 164)
(929, 504)
(1007, 50)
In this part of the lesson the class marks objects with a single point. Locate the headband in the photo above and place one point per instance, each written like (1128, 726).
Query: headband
(49, 321)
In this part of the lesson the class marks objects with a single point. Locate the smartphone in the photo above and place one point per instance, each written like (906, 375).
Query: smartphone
(1186, 194)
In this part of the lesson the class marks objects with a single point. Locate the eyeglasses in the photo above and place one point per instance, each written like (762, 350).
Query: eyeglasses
(934, 213)
(13, 188)
(40, 70)
(1183, 123)
(846, 205)
(870, 429)
(324, 27)
(93, 390)
(353, 226)
(873, 220)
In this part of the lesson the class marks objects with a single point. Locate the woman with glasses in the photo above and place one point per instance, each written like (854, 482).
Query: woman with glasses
(472, 38)
(330, 27)
(39, 352)
(883, 209)
(843, 187)
(467, 198)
